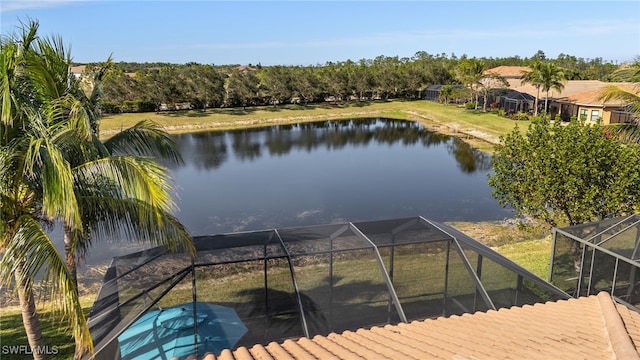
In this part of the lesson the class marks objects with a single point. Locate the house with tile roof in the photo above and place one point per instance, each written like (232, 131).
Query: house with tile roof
(579, 98)
(78, 70)
(508, 72)
(588, 105)
(593, 327)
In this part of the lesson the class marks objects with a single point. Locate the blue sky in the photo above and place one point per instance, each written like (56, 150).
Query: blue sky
(314, 32)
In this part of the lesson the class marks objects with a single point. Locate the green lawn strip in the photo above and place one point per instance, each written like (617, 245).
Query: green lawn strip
(58, 338)
(533, 255)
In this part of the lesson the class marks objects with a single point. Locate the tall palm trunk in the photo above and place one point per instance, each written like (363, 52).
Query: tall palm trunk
(30, 317)
(546, 109)
(72, 266)
(70, 255)
(476, 93)
(535, 111)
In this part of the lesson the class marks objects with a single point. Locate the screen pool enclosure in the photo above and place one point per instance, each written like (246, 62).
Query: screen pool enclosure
(599, 256)
(304, 281)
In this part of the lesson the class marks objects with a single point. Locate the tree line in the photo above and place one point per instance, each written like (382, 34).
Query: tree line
(135, 87)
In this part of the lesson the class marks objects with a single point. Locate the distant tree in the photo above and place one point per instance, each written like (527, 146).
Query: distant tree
(241, 87)
(119, 87)
(151, 87)
(275, 84)
(387, 75)
(566, 174)
(470, 73)
(539, 56)
(305, 83)
(335, 80)
(534, 77)
(446, 93)
(488, 82)
(441, 70)
(203, 85)
(552, 77)
(361, 79)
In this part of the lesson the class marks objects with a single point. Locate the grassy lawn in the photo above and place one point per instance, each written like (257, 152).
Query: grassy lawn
(57, 337)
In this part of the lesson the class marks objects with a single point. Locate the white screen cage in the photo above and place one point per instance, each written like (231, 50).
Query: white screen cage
(297, 282)
(599, 256)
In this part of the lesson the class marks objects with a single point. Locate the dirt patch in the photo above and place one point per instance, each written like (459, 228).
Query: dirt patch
(508, 231)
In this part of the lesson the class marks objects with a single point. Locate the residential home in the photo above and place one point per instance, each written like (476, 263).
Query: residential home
(582, 91)
(589, 106)
(78, 70)
(508, 72)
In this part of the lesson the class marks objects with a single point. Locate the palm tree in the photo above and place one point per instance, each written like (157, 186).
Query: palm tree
(121, 191)
(98, 189)
(446, 93)
(552, 77)
(123, 182)
(533, 77)
(35, 190)
(470, 73)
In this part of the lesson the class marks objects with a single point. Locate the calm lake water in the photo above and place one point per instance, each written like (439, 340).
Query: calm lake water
(331, 171)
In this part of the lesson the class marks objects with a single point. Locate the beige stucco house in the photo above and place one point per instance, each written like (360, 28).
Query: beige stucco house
(589, 106)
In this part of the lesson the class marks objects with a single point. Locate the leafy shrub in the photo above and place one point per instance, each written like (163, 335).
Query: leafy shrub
(566, 173)
(110, 107)
(144, 106)
(470, 105)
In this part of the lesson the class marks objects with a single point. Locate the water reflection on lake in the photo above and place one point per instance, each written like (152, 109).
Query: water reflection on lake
(316, 173)
(329, 171)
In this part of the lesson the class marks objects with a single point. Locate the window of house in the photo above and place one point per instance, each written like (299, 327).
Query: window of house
(595, 114)
(583, 114)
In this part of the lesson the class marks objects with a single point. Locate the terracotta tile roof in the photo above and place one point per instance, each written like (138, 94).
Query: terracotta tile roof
(593, 327)
(571, 87)
(632, 324)
(78, 69)
(508, 71)
(592, 97)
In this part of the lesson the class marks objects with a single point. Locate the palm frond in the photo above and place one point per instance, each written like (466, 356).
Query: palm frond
(628, 133)
(49, 65)
(33, 250)
(45, 165)
(130, 220)
(136, 177)
(12, 59)
(7, 76)
(630, 99)
(146, 138)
